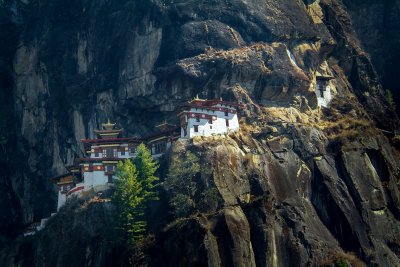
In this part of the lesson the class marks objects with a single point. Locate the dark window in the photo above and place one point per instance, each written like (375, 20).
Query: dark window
(96, 153)
(321, 87)
(197, 118)
(160, 147)
(110, 168)
(226, 113)
(123, 152)
(110, 153)
(210, 127)
(227, 122)
(196, 128)
(210, 120)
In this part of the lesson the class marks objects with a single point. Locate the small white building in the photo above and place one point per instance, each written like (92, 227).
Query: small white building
(208, 117)
(103, 155)
(323, 91)
(162, 140)
(97, 169)
(198, 118)
(65, 183)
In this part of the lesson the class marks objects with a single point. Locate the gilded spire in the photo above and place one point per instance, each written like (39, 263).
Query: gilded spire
(108, 125)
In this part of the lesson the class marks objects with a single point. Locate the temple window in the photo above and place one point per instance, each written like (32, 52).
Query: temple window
(226, 113)
(110, 168)
(210, 120)
(322, 85)
(160, 147)
(227, 122)
(196, 128)
(197, 119)
(96, 153)
(110, 153)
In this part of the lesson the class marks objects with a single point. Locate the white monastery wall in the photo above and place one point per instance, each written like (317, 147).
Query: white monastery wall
(205, 128)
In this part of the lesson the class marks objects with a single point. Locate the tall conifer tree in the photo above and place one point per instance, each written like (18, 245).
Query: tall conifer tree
(135, 187)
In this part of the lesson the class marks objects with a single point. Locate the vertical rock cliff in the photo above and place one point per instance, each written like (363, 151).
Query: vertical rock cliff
(301, 185)
(377, 25)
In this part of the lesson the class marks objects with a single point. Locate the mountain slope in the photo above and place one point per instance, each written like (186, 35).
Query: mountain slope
(297, 183)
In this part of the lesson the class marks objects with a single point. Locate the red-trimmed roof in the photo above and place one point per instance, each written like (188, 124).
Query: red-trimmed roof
(111, 140)
(73, 166)
(61, 176)
(209, 104)
(169, 131)
(79, 188)
(99, 159)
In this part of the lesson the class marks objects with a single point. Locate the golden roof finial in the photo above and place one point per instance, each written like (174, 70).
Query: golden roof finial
(108, 125)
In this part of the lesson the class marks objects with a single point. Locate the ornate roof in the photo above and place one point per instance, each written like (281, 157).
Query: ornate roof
(202, 103)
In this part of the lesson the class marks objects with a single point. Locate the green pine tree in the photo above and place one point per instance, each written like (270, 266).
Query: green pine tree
(129, 200)
(147, 168)
(135, 187)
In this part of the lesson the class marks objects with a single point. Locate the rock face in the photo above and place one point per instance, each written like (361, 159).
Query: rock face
(79, 235)
(300, 185)
(377, 25)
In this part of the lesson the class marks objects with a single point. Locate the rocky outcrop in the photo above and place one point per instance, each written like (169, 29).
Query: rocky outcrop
(81, 234)
(300, 185)
(299, 211)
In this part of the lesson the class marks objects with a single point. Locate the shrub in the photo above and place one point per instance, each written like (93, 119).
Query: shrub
(182, 205)
(181, 174)
(389, 99)
(210, 200)
(180, 183)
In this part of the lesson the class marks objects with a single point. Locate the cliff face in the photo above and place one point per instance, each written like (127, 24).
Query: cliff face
(300, 185)
(377, 25)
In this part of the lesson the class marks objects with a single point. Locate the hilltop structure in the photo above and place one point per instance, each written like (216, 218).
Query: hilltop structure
(201, 117)
(323, 90)
(96, 170)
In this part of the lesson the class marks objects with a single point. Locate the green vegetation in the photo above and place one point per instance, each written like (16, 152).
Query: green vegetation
(182, 184)
(342, 263)
(135, 189)
(389, 99)
(146, 167)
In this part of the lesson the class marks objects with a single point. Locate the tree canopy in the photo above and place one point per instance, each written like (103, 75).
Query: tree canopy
(135, 187)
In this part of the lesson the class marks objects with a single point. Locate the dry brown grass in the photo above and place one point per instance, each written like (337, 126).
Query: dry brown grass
(346, 128)
(339, 258)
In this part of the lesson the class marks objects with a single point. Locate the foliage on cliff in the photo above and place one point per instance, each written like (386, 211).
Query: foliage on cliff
(135, 189)
(187, 195)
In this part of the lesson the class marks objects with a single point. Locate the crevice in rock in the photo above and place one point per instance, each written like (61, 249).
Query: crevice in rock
(331, 214)
(257, 219)
(379, 163)
(381, 168)
(225, 242)
(341, 171)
